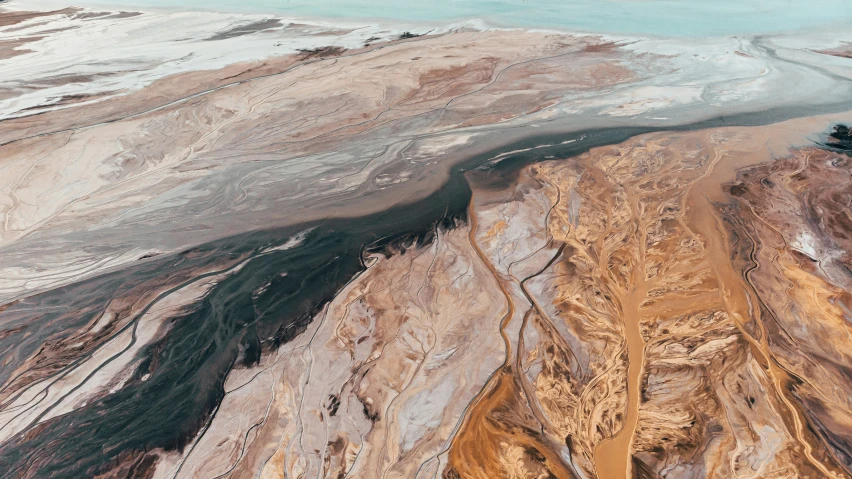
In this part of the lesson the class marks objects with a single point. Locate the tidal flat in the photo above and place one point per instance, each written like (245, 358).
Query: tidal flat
(246, 245)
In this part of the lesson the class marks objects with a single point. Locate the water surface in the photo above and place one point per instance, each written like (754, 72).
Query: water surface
(645, 17)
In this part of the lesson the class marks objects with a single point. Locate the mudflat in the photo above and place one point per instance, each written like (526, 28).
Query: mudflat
(240, 245)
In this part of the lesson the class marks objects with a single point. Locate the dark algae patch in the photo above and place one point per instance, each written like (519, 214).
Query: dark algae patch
(840, 138)
(246, 29)
(320, 52)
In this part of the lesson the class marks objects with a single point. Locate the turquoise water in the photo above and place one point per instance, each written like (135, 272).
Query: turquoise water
(689, 18)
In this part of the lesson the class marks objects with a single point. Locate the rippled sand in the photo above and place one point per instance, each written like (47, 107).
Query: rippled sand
(240, 246)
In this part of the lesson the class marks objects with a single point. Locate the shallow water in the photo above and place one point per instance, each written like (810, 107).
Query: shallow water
(642, 17)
